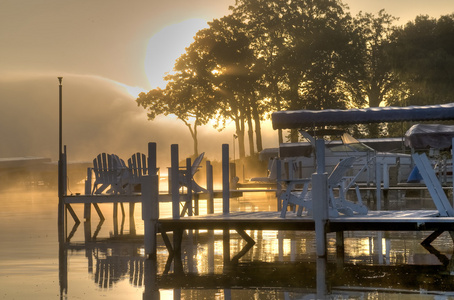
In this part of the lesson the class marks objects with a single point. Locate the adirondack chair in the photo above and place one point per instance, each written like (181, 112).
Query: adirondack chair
(336, 181)
(184, 179)
(110, 171)
(137, 165)
(272, 173)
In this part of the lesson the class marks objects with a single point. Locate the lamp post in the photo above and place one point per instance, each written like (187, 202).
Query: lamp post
(60, 140)
(61, 206)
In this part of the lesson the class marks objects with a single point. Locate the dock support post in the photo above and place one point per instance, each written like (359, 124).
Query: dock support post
(320, 199)
(279, 183)
(188, 205)
(378, 180)
(174, 163)
(210, 200)
(320, 207)
(452, 156)
(87, 206)
(150, 203)
(225, 179)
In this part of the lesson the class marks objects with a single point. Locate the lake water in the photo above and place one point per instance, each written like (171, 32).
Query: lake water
(106, 261)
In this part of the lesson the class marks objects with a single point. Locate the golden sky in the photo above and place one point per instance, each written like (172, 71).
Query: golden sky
(100, 47)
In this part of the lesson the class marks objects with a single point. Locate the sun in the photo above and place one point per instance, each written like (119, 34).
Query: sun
(166, 46)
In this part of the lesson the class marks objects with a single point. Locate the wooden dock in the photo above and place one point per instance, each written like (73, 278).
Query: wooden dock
(433, 221)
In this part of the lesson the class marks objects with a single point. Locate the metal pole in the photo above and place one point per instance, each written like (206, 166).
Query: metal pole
(60, 141)
(60, 149)
(61, 206)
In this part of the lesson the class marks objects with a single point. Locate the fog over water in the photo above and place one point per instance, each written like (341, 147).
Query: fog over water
(99, 115)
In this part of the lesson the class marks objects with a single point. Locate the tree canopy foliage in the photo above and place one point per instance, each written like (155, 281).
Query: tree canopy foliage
(270, 55)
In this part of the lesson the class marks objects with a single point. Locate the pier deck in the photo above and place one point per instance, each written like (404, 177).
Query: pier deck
(408, 220)
(137, 197)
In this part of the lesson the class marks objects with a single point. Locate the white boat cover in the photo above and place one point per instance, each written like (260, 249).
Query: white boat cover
(310, 118)
(421, 136)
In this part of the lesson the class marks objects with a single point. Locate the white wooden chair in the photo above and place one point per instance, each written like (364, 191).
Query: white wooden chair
(110, 171)
(137, 165)
(337, 180)
(337, 204)
(272, 173)
(184, 178)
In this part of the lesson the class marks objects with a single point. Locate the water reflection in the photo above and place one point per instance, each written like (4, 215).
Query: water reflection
(280, 265)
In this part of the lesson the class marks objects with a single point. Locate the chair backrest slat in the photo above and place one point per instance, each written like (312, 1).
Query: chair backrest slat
(340, 169)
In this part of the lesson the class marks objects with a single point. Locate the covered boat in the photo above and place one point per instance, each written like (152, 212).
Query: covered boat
(424, 136)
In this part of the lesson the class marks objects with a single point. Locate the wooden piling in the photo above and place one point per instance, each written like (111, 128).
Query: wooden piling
(174, 165)
(225, 179)
(320, 210)
(320, 199)
(188, 204)
(279, 183)
(378, 179)
(150, 203)
(87, 206)
(210, 188)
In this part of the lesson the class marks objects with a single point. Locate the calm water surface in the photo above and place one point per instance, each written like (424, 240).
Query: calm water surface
(106, 261)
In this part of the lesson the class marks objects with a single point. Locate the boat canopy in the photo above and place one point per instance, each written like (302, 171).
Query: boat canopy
(422, 136)
(311, 118)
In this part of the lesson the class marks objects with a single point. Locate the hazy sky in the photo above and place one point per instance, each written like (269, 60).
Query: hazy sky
(101, 47)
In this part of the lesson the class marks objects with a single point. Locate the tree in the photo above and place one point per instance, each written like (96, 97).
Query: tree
(266, 29)
(188, 94)
(377, 81)
(307, 50)
(424, 59)
(232, 75)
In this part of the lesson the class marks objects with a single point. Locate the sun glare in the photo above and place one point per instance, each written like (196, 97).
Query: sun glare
(166, 46)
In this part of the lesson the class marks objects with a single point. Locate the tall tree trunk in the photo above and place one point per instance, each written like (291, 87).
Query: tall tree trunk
(278, 108)
(196, 142)
(374, 101)
(258, 129)
(294, 103)
(250, 131)
(193, 132)
(239, 125)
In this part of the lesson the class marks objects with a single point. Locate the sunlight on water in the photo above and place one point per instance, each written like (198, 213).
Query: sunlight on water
(281, 265)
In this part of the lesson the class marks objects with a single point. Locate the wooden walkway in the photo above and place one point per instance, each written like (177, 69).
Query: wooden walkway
(408, 220)
(137, 197)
